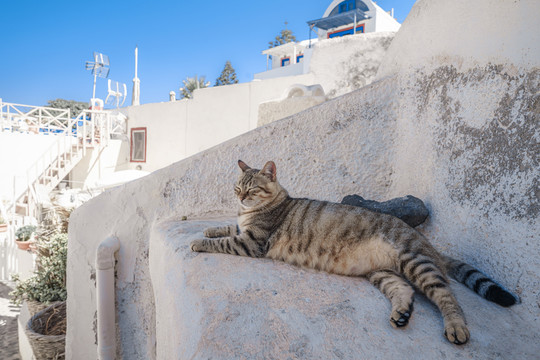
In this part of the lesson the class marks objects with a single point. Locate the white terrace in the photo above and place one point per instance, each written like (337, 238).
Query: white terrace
(62, 142)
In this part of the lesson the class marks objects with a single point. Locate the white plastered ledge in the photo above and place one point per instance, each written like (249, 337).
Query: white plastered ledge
(230, 307)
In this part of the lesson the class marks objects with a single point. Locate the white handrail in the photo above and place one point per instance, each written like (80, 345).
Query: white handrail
(91, 128)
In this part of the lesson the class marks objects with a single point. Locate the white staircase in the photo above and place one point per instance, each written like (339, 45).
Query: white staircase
(90, 129)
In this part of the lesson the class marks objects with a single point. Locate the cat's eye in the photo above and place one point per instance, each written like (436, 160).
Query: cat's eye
(253, 191)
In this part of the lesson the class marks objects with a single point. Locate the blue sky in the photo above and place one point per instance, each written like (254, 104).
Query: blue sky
(44, 44)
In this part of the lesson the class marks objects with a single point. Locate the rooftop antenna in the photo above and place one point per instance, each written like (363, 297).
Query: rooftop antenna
(118, 91)
(99, 67)
(135, 100)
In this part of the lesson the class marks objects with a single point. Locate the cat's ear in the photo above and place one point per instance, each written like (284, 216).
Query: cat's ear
(269, 170)
(243, 165)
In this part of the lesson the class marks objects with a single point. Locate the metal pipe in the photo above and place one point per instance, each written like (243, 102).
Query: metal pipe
(106, 314)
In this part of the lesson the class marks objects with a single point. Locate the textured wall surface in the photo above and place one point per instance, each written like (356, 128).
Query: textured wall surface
(452, 125)
(345, 64)
(470, 104)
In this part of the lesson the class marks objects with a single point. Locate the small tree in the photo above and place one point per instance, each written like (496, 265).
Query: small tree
(75, 107)
(286, 36)
(190, 85)
(228, 75)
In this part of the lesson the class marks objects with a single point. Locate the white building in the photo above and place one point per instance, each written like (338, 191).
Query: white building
(120, 145)
(341, 18)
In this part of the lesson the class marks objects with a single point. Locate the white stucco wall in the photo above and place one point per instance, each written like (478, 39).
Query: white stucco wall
(348, 63)
(509, 36)
(176, 130)
(98, 163)
(455, 126)
(384, 21)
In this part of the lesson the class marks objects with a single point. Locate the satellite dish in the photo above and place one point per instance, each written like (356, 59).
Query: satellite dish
(118, 91)
(100, 67)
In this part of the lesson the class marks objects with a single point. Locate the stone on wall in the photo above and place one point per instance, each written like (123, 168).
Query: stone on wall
(408, 208)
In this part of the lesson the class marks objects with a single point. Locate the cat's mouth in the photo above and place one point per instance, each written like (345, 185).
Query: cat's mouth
(246, 203)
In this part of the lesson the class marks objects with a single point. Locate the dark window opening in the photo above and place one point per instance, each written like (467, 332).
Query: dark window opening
(285, 61)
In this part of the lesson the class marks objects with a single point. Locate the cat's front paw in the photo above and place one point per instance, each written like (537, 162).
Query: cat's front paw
(400, 317)
(197, 245)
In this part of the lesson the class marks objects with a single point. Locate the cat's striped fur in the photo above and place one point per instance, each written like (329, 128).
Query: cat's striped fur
(347, 240)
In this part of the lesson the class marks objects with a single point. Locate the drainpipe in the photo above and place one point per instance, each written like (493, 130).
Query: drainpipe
(106, 314)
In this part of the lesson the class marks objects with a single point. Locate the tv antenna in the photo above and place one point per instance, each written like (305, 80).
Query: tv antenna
(116, 90)
(99, 67)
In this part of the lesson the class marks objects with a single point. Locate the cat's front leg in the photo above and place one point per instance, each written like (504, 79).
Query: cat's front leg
(242, 245)
(215, 232)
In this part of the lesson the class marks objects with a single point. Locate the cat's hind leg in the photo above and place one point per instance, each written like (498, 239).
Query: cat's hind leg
(398, 291)
(221, 231)
(423, 273)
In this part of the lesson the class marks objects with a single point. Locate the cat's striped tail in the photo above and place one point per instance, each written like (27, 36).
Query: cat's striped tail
(479, 282)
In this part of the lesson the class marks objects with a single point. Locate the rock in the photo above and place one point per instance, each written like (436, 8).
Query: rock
(407, 208)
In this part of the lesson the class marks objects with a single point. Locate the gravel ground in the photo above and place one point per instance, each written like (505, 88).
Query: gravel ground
(9, 339)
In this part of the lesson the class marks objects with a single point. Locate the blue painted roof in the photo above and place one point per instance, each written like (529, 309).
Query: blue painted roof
(339, 19)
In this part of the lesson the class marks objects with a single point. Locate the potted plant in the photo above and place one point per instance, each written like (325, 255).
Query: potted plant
(45, 294)
(48, 284)
(3, 225)
(24, 236)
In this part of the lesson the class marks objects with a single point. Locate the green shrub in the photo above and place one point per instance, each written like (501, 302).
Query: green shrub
(23, 233)
(48, 284)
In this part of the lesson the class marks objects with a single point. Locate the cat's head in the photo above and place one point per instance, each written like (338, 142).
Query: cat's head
(256, 187)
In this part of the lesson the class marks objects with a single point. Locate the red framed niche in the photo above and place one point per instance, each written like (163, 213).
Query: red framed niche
(138, 145)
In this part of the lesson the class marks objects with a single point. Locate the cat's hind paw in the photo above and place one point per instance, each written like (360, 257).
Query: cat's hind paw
(456, 332)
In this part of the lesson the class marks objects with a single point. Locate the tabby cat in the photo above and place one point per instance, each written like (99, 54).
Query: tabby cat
(347, 240)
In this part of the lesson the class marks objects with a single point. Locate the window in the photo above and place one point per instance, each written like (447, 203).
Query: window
(347, 31)
(347, 5)
(138, 145)
(299, 58)
(285, 61)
